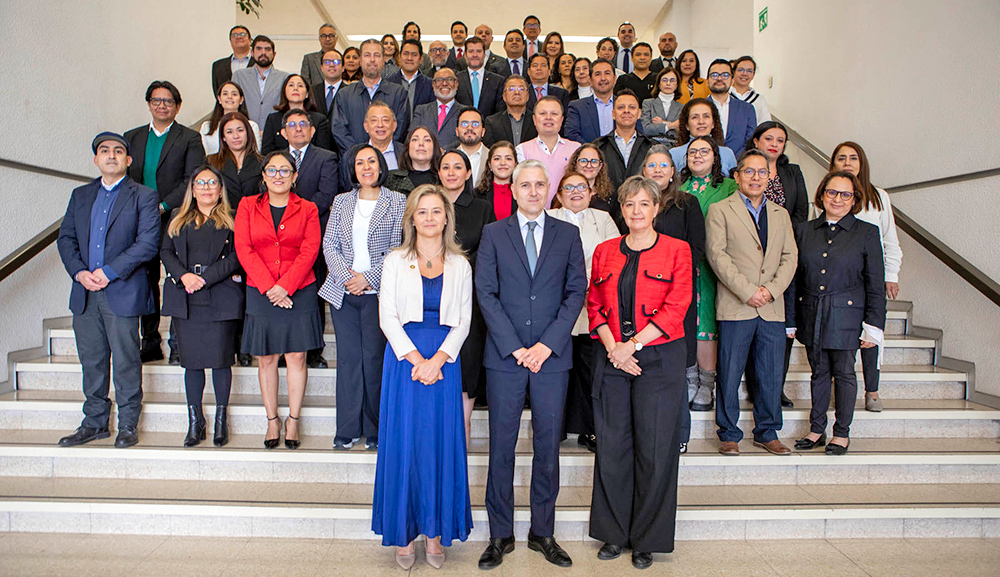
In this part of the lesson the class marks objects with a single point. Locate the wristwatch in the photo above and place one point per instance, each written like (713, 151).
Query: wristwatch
(638, 345)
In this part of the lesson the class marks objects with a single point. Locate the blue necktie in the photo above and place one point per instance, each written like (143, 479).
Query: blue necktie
(475, 89)
(530, 247)
(517, 69)
(329, 98)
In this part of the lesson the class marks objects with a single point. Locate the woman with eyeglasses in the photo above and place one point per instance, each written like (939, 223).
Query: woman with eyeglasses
(581, 79)
(352, 65)
(418, 164)
(702, 178)
(840, 285)
(277, 242)
(876, 209)
(494, 186)
(390, 51)
(680, 217)
(588, 160)
(660, 113)
(596, 226)
(228, 99)
(692, 85)
(203, 293)
(295, 95)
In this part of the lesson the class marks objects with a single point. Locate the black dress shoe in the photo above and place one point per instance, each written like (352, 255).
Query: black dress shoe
(493, 555)
(609, 552)
(244, 359)
(221, 426)
(196, 426)
(805, 444)
(832, 449)
(317, 363)
(641, 560)
(127, 437)
(553, 552)
(174, 358)
(291, 443)
(151, 353)
(588, 441)
(785, 401)
(83, 435)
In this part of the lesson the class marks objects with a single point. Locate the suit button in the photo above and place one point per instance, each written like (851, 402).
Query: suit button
(824, 255)
(822, 288)
(655, 311)
(532, 297)
(277, 262)
(276, 244)
(758, 248)
(659, 276)
(850, 302)
(829, 242)
(762, 271)
(282, 227)
(528, 322)
(823, 271)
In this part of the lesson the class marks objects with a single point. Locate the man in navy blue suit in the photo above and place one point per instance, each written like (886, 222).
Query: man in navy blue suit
(111, 229)
(739, 119)
(531, 282)
(590, 117)
(419, 89)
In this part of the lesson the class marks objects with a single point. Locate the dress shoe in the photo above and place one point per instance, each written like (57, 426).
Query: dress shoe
(174, 358)
(221, 426)
(785, 401)
(702, 401)
(292, 443)
(435, 560)
(684, 448)
(553, 552)
(729, 448)
(774, 447)
(151, 353)
(493, 555)
(806, 444)
(641, 560)
(127, 437)
(406, 561)
(832, 449)
(609, 552)
(316, 362)
(83, 435)
(371, 444)
(873, 405)
(588, 441)
(272, 443)
(341, 445)
(196, 426)
(244, 359)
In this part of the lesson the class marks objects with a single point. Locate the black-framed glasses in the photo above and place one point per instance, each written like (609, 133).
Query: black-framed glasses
(718, 75)
(844, 194)
(283, 172)
(291, 124)
(750, 172)
(532, 26)
(468, 123)
(663, 164)
(238, 35)
(333, 62)
(696, 152)
(163, 101)
(210, 183)
(576, 187)
(591, 162)
(438, 50)
(328, 36)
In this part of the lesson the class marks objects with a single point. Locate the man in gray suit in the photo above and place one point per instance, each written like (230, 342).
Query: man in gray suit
(440, 117)
(312, 68)
(261, 83)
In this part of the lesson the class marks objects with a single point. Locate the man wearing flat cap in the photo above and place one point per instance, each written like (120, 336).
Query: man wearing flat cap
(111, 229)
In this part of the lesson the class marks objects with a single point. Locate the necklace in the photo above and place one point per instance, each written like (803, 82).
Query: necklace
(432, 257)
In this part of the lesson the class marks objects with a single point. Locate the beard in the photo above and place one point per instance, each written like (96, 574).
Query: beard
(264, 61)
(469, 139)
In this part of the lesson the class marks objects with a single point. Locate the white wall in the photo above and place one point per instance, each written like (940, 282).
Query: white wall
(712, 28)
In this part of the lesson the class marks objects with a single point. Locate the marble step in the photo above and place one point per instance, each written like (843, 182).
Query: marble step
(336, 511)
(870, 462)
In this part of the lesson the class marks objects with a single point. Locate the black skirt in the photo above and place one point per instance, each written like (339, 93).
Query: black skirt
(205, 344)
(271, 330)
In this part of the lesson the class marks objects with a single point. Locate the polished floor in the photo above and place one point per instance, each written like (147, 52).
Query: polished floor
(134, 556)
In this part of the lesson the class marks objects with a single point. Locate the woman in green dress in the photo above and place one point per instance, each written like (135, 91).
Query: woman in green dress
(703, 178)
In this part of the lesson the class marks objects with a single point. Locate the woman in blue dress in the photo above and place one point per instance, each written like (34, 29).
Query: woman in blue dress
(425, 310)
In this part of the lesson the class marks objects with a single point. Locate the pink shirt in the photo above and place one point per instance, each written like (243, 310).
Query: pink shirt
(555, 161)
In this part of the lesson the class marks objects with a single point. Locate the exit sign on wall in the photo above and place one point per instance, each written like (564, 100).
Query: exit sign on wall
(762, 20)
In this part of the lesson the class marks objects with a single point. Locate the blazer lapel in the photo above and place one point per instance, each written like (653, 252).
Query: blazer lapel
(592, 116)
(381, 208)
(772, 221)
(86, 208)
(172, 137)
(138, 154)
(743, 215)
(124, 196)
(514, 233)
(548, 239)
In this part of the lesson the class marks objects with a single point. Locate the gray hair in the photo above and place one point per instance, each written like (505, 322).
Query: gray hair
(633, 185)
(327, 25)
(529, 163)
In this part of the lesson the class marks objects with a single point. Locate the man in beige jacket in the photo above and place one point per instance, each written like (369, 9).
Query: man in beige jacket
(751, 247)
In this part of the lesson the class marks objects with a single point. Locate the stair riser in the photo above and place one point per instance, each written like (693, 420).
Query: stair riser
(891, 356)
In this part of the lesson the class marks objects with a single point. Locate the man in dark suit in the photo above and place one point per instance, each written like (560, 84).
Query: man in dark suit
(419, 89)
(625, 148)
(513, 124)
(324, 94)
(531, 281)
(589, 118)
(494, 63)
(456, 54)
(739, 119)
(438, 54)
(532, 28)
(538, 74)
(349, 118)
(312, 67)
(165, 154)
(440, 117)
(513, 47)
(626, 36)
(111, 229)
(477, 87)
(667, 46)
(223, 68)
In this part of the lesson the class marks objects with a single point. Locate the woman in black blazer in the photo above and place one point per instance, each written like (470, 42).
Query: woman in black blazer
(840, 284)
(237, 160)
(295, 94)
(204, 295)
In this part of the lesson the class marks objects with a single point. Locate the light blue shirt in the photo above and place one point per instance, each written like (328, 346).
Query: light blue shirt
(262, 78)
(604, 117)
(544, 87)
(373, 89)
(625, 147)
(238, 63)
(754, 212)
(679, 155)
(522, 222)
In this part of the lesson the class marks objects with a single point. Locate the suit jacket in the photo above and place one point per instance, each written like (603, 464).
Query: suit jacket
(271, 138)
(559, 92)
(582, 122)
(742, 123)
(734, 251)
(312, 68)
(352, 102)
(242, 182)
(498, 65)
(221, 292)
(319, 97)
(182, 153)
(423, 90)
(657, 64)
(498, 128)
(796, 195)
(504, 68)
(620, 168)
(490, 96)
(471, 215)
(653, 108)
(426, 115)
(260, 104)
(454, 62)
(285, 256)
(520, 309)
(318, 180)
(222, 71)
(132, 240)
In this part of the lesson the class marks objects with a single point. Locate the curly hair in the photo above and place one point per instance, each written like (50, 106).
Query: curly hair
(684, 134)
(717, 176)
(602, 186)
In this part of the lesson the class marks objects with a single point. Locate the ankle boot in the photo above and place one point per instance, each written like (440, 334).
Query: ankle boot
(703, 400)
(196, 426)
(221, 425)
(691, 377)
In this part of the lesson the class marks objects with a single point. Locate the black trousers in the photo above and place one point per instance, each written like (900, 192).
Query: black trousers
(579, 399)
(101, 335)
(360, 350)
(837, 365)
(869, 367)
(638, 422)
(505, 393)
(320, 270)
(150, 324)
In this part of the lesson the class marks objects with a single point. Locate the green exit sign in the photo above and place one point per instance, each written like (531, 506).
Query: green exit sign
(762, 20)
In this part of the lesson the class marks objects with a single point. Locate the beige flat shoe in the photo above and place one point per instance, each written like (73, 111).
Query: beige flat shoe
(406, 561)
(873, 405)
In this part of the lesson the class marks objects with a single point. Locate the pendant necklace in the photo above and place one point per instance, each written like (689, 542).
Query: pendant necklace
(429, 259)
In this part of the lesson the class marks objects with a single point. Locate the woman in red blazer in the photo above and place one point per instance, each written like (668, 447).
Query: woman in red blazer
(277, 241)
(640, 291)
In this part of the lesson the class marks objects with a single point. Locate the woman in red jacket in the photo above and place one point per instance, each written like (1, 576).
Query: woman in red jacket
(277, 241)
(640, 291)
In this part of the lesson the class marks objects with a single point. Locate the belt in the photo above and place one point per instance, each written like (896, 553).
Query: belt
(198, 269)
(821, 305)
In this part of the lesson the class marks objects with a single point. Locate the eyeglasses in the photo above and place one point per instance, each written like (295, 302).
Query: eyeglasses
(517, 89)
(327, 36)
(272, 172)
(696, 152)
(437, 50)
(663, 164)
(291, 124)
(163, 101)
(591, 162)
(844, 194)
(761, 172)
(334, 62)
(576, 188)
(238, 35)
(202, 183)
(531, 26)
(718, 75)
(468, 123)
(443, 81)
(744, 70)
(668, 80)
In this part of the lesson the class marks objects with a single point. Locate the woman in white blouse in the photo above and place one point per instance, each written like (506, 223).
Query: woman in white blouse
(850, 157)
(228, 99)
(660, 113)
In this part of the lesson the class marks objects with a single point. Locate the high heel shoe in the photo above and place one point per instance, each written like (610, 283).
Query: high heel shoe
(196, 426)
(806, 444)
(292, 443)
(832, 449)
(221, 425)
(272, 443)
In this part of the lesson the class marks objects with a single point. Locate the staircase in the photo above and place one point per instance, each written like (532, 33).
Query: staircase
(928, 466)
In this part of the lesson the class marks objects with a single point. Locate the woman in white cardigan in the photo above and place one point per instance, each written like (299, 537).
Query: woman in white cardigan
(850, 157)
(425, 310)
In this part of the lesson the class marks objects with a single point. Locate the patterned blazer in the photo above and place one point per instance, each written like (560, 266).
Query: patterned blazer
(385, 232)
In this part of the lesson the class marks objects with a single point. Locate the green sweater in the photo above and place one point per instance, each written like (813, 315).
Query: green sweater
(154, 146)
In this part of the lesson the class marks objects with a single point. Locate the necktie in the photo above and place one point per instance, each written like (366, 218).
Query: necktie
(329, 97)
(538, 92)
(530, 247)
(531, 49)
(515, 66)
(297, 155)
(475, 89)
(625, 62)
(442, 112)
(459, 52)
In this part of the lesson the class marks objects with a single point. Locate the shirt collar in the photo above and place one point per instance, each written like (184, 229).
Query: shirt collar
(599, 102)
(265, 73)
(744, 96)
(746, 201)
(113, 185)
(241, 60)
(446, 104)
(303, 149)
(387, 150)
(522, 220)
(416, 73)
(618, 138)
(157, 132)
(335, 85)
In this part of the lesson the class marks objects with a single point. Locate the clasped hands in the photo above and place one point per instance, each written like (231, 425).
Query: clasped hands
(358, 284)
(93, 281)
(621, 358)
(533, 358)
(279, 297)
(426, 371)
(760, 298)
(192, 282)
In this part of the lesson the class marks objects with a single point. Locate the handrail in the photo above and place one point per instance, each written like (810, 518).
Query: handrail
(965, 269)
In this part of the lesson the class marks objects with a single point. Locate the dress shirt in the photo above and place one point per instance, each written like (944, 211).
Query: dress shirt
(292, 149)
(238, 63)
(476, 159)
(476, 77)
(604, 117)
(516, 125)
(389, 154)
(754, 212)
(516, 65)
(625, 147)
(157, 132)
(373, 89)
(336, 87)
(447, 107)
(544, 87)
(522, 222)
(100, 215)
(723, 112)
(620, 60)
(262, 77)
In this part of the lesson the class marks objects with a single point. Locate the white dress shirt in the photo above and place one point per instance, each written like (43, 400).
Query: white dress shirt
(476, 159)
(723, 112)
(389, 154)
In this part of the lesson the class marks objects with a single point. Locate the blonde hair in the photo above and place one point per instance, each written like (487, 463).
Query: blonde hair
(221, 215)
(451, 246)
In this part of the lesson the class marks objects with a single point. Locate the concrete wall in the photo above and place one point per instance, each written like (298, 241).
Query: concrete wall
(712, 28)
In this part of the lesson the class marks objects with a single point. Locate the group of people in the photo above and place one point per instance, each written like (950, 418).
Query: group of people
(462, 213)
